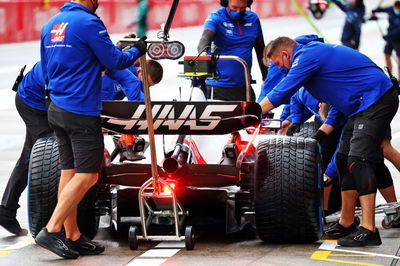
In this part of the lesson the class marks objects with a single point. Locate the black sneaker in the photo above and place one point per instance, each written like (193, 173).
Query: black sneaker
(85, 246)
(361, 238)
(337, 230)
(56, 243)
(11, 225)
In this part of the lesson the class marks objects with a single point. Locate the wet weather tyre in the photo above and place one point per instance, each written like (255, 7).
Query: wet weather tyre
(43, 179)
(288, 198)
(307, 129)
(189, 237)
(132, 238)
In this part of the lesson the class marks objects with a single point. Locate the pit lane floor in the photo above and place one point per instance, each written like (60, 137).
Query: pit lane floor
(212, 247)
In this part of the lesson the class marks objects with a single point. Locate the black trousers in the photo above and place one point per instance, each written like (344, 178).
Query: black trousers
(36, 127)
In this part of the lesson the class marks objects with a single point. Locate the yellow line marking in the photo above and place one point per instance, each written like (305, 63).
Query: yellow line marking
(323, 255)
(5, 252)
(347, 255)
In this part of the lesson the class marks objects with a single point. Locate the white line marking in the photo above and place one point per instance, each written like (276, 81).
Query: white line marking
(171, 244)
(146, 262)
(330, 245)
(18, 245)
(159, 253)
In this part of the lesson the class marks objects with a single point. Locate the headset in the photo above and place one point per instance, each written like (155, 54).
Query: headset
(225, 3)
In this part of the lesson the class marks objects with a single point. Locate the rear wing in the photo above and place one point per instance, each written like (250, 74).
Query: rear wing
(180, 118)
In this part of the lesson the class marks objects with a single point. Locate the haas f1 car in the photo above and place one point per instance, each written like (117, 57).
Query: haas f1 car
(223, 164)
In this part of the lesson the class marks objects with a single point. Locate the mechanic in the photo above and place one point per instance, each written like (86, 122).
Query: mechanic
(354, 85)
(393, 33)
(355, 11)
(74, 47)
(141, 18)
(30, 104)
(301, 100)
(116, 84)
(235, 31)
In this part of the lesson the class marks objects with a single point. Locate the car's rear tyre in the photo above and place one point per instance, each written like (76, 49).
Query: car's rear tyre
(44, 175)
(307, 129)
(288, 198)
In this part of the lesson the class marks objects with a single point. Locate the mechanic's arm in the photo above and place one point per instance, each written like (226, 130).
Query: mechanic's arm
(43, 59)
(273, 78)
(259, 47)
(304, 68)
(130, 84)
(205, 41)
(381, 10)
(107, 53)
(340, 5)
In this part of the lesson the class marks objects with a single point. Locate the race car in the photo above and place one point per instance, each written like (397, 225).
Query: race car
(225, 166)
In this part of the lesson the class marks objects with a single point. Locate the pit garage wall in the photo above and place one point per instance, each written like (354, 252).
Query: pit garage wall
(22, 20)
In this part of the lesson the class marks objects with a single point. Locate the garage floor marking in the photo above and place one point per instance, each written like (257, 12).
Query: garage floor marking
(158, 255)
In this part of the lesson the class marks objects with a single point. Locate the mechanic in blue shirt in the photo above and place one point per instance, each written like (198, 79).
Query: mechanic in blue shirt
(74, 47)
(118, 84)
(393, 33)
(354, 85)
(355, 11)
(30, 104)
(302, 100)
(235, 31)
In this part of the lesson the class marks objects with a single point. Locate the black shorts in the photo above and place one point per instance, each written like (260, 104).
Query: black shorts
(228, 93)
(80, 140)
(363, 133)
(390, 46)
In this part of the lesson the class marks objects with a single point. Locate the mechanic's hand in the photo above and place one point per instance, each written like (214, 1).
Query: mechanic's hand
(284, 127)
(385, 37)
(294, 128)
(141, 45)
(373, 17)
(327, 181)
(125, 44)
(319, 135)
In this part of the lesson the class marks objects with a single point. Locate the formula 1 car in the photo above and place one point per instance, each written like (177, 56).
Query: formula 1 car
(225, 164)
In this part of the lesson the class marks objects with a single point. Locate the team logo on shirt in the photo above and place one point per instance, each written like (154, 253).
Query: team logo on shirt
(58, 32)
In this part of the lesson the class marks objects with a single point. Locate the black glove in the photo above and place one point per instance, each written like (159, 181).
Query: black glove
(141, 45)
(319, 135)
(373, 17)
(385, 37)
(293, 128)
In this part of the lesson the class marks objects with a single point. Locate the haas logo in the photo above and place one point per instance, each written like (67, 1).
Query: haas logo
(167, 117)
(58, 32)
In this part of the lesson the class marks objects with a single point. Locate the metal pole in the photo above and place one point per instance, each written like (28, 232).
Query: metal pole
(246, 72)
(150, 125)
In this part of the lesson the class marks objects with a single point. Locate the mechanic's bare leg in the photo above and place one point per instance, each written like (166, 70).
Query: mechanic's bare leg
(388, 194)
(327, 193)
(388, 61)
(69, 199)
(368, 211)
(349, 201)
(398, 67)
(391, 153)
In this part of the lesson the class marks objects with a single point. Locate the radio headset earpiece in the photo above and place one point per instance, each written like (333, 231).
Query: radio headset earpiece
(224, 3)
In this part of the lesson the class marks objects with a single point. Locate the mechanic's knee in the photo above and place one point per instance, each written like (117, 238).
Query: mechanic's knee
(383, 177)
(346, 179)
(364, 175)
(89, 179)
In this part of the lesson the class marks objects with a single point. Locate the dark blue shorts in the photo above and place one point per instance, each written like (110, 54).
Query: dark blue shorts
(390, 46)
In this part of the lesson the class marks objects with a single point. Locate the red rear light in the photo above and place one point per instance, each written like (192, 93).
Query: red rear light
(166, 190)
(323, 6)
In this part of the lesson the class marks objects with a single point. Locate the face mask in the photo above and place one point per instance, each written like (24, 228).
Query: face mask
(396, 12)
(236, 15)
(283, 69)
